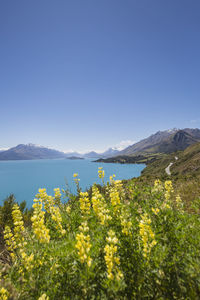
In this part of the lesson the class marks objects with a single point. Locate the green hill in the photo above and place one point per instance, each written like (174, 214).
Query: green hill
(187, 164)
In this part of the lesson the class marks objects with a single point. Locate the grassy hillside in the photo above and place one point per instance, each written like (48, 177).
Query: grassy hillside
(188, 163)
(116, 241)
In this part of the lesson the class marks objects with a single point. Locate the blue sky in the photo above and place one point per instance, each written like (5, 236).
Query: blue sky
(88, 74)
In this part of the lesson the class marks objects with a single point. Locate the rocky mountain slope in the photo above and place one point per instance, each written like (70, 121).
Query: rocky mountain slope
(164, 142)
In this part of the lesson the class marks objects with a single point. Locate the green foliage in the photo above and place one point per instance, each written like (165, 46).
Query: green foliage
(157, 247)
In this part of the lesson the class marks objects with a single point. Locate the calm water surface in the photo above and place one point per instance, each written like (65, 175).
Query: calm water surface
(24, 178)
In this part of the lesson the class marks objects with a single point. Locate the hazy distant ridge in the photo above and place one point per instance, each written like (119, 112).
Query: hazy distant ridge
(31, 151)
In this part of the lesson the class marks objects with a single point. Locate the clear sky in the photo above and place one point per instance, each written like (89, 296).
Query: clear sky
(88, 74)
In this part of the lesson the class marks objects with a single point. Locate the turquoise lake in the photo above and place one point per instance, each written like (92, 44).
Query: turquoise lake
(24, 178)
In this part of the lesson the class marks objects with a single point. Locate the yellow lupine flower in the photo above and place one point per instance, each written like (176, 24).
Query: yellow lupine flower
(18, 224)
(179, 203)
(83, 244)
(155, 211)
(111, 259)
(57, 195)
(115, 197)
(125, 222)
(158, 186)
(147, 235)
(27, 260)
(10, 241)
(43, 297)
(84, 203)
(56, 217)
(101, 174)
(41, 232)
(68, 209)
(99, 206)
(3, 294)
(168, 189)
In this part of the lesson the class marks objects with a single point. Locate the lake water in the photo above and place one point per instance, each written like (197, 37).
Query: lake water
(24, 178)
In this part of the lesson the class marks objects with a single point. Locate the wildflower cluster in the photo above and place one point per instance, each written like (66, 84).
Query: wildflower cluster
(119, 244)
(83, 244)
(51, 207)
(84, 203)
(99, 206)
(27, 260)
(111, 258)
(147, 235)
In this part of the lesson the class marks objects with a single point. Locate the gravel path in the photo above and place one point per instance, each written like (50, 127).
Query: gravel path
(167, 170)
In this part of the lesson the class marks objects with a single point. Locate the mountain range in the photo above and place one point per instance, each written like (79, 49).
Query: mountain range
(167, 141)
(31, 151)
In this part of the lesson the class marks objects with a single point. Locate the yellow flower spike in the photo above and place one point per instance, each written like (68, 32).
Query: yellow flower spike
(147, 235)
(125, 222)
(112, 261)
(18, 224)
(83, 244)
(10, 241)
(38, 225)
(43, 297)
(76, 180)
(101, 173)
(3, 294)
(179, 203)
(155, 211)
(99, 206)
(169, 189)
(84, 203)
(57, 195)
(158, 186)
(68, 209)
